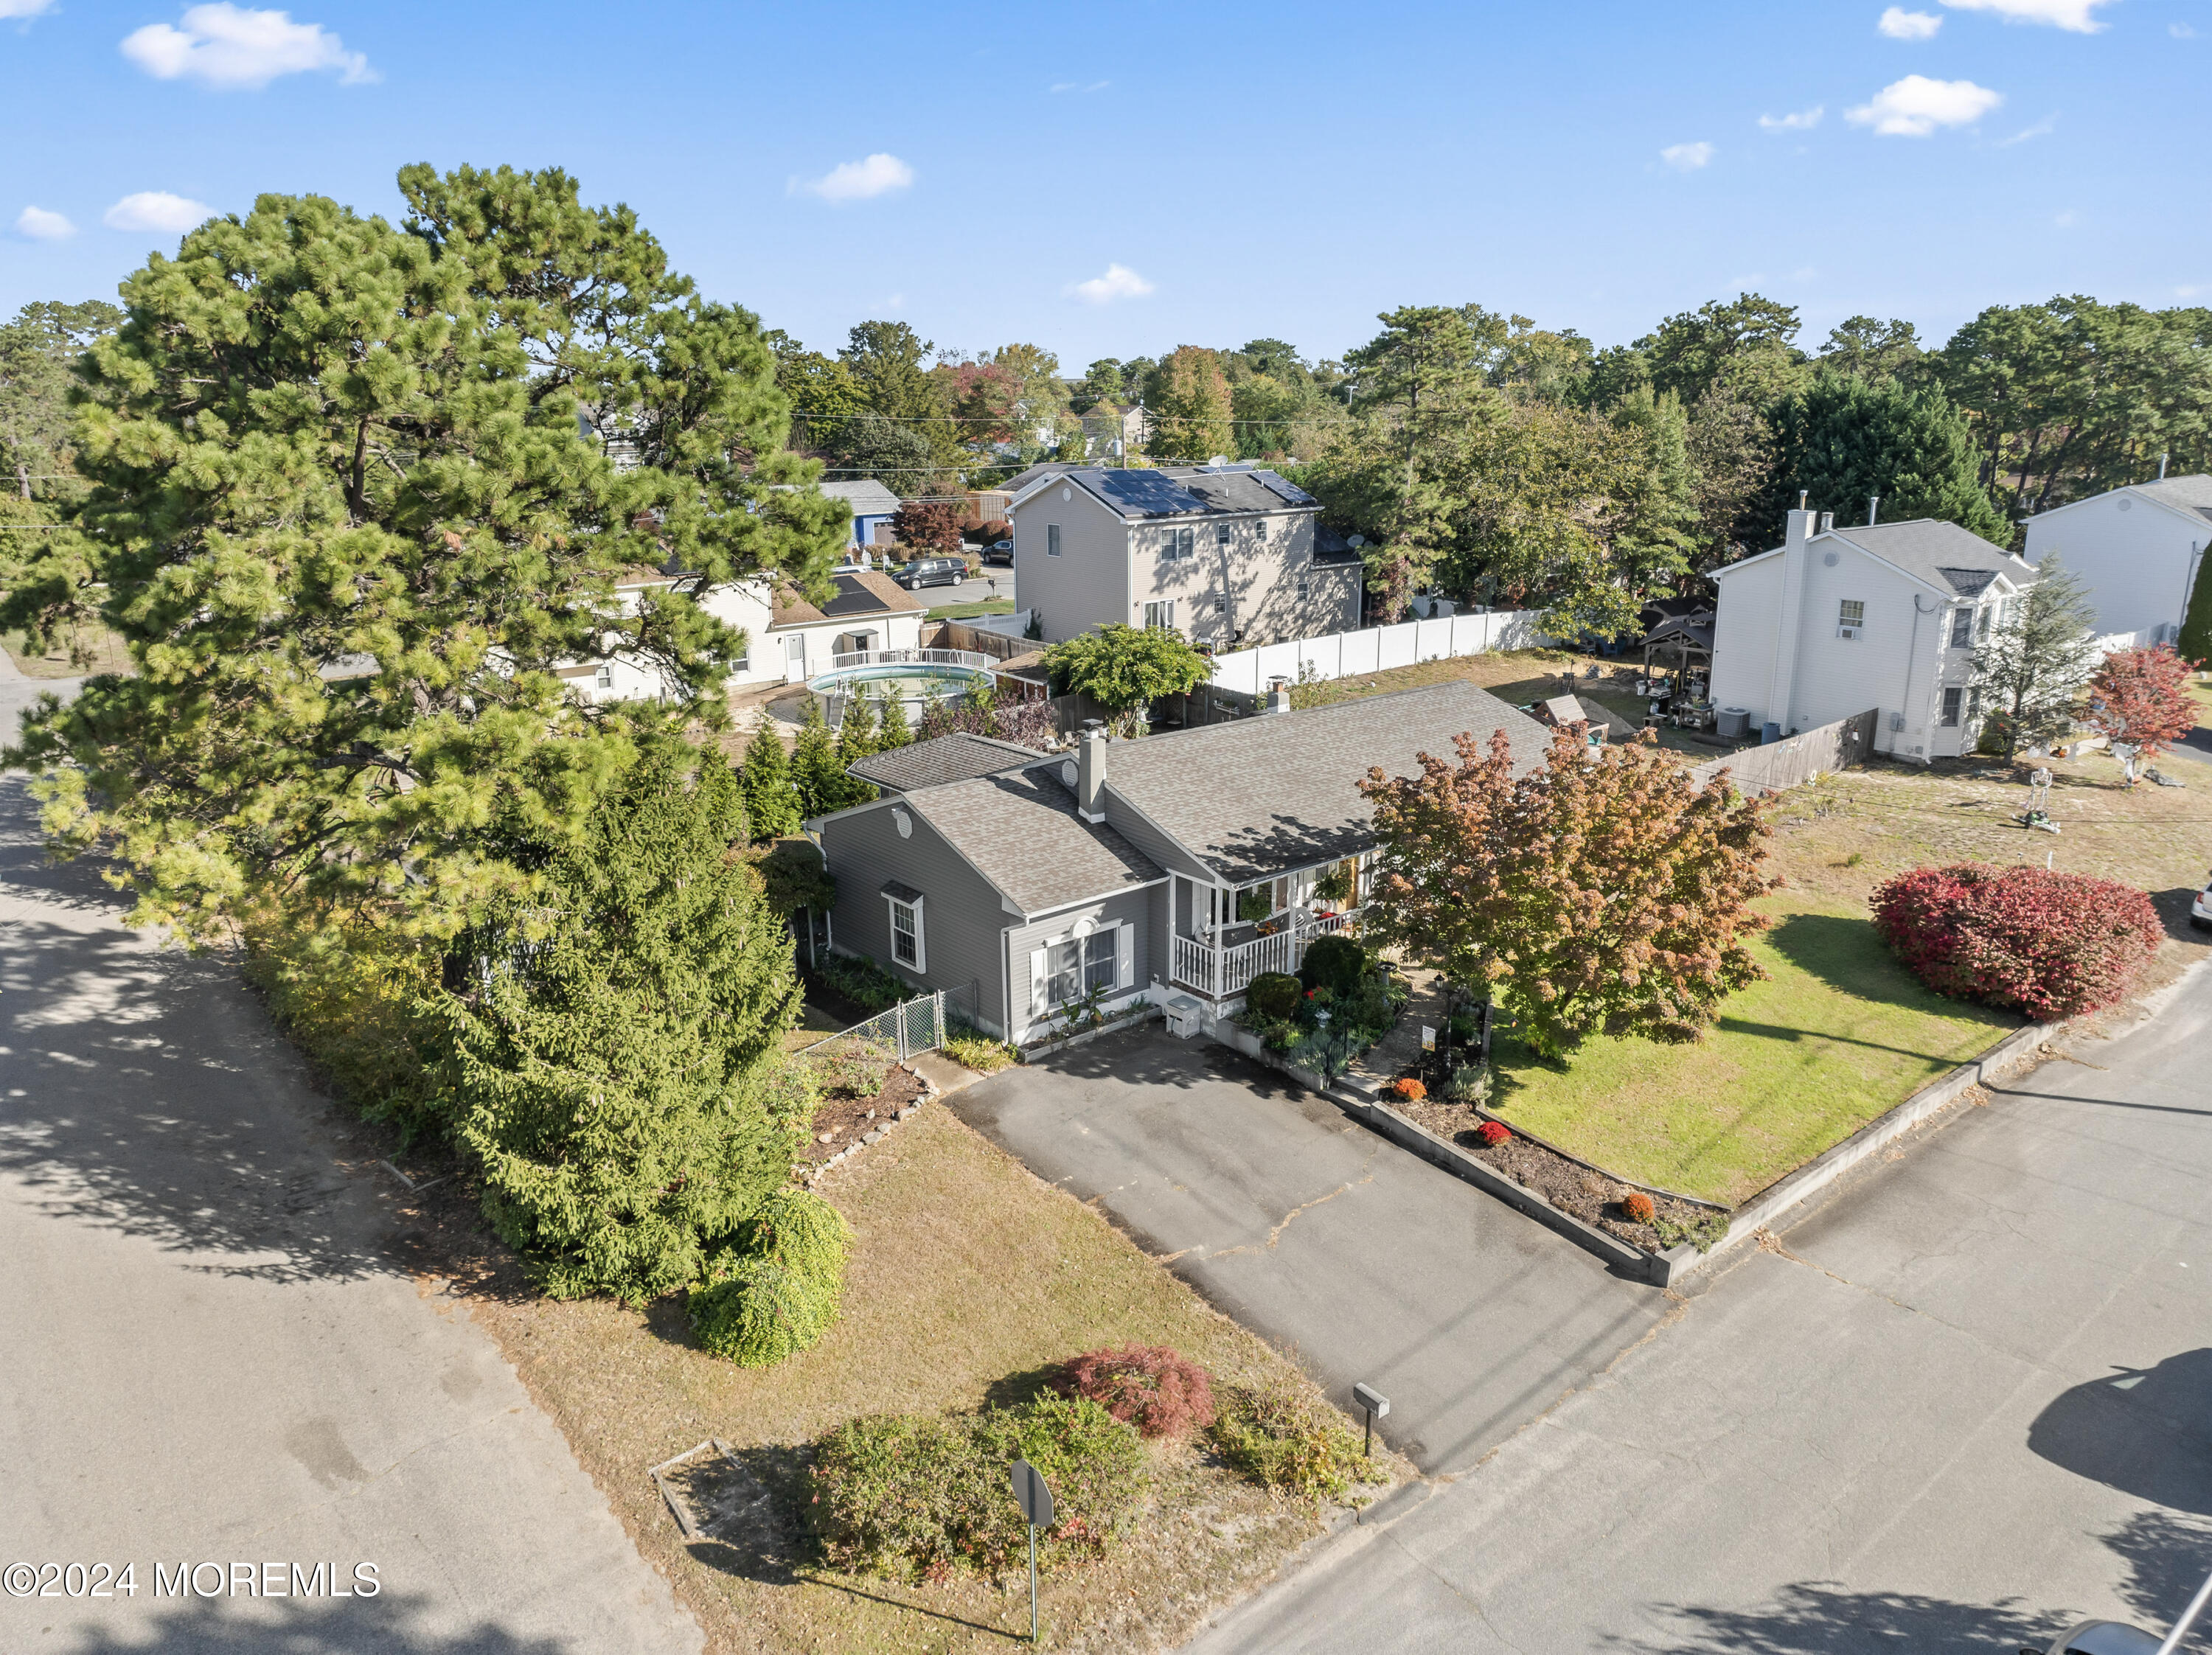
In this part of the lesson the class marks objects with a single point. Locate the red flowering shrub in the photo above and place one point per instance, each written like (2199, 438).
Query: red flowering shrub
(1161, 1392)
(2049, 944)
(1638, 1207)
(1409, 1089)
(1493, 1132)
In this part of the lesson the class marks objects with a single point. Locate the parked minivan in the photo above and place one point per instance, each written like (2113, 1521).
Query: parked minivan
(932, 572)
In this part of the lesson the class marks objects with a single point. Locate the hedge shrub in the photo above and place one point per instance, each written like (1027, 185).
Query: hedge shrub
(1335, 963)
(915, 1496)
(1274, 994)
(1638, 1208)
(2048, 944)
(777, 1291)
(1162, 1394)
(1283, 1440)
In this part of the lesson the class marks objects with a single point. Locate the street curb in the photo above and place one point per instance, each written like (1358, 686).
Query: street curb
(1414, 1492)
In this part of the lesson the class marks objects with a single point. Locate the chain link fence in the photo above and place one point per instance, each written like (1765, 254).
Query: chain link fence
(893, 1036)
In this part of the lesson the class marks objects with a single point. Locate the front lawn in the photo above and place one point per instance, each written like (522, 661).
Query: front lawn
(964, 611)
(1837, 1035)
(968, 1275)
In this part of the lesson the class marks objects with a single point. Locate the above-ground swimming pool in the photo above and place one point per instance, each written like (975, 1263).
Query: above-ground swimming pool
(912, 677)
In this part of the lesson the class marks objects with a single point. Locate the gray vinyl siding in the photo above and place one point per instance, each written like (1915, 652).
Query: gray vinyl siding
(1142, 909)
(962, 914)
(1087, 585)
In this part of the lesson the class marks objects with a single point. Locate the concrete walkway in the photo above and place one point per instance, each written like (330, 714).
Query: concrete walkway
(1366, 1261)
(1957, 1408)
(206, 1357)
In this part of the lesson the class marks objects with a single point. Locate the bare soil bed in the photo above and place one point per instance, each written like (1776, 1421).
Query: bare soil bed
(1573, 1188)
(843, 1122)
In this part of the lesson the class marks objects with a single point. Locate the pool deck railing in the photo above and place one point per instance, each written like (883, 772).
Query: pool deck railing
(930, 657)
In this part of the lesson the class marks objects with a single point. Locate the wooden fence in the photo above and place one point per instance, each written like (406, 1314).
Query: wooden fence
(1797, 760)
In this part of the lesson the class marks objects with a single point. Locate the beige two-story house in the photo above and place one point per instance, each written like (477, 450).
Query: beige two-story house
(1229, 556)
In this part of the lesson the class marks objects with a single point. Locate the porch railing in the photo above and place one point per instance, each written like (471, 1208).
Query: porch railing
(1220, 973)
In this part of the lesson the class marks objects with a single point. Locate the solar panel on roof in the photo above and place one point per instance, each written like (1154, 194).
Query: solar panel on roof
(1147, 491)
(1287, 490)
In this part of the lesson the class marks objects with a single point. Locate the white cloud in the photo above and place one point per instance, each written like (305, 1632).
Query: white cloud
(1902, 25)
(1119, 281)
(23, 8)
(227, 45)
(157, 210)
(1686, 157)
(2042, 129)
(857, 180)
(2064, 221)
(1802, 120)
(2181, 31)
(1915, 106)
(41, 225)
(2073, 14)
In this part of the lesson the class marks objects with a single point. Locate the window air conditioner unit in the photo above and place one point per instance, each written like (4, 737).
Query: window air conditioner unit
(1847, 632)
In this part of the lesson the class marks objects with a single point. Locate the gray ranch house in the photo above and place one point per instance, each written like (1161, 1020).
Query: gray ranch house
(1186, 863)
(1226, 554)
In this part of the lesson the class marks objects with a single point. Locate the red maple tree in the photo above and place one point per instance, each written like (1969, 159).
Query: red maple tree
(2141, 696)
(928, 527)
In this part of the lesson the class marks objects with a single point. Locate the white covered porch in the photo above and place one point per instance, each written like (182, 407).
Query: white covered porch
(1224, 935)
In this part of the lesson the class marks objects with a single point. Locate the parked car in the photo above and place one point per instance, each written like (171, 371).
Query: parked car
(999, 551)
(932, 571)
(2200, 911)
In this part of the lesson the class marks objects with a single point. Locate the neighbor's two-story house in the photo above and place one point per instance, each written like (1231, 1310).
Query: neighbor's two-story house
(1184, 863)
(2136, 548)
(1226, 554)
(1833, 621)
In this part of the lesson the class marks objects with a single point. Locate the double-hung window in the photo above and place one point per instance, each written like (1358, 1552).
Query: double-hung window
(1052, 540)
(909, 947)
(1180, 542)
(1962, 627)
(1221, 534)
(1260, 529)
(1081, 966)
(1954, 698)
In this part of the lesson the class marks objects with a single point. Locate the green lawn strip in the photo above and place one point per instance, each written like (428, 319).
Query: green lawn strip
(962, 611)
(1837, 1035)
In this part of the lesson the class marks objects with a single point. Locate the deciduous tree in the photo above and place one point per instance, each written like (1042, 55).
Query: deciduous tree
(1593, 893)
(1128, 668)
(2141, 696)
(1191, 410)
(928, 527)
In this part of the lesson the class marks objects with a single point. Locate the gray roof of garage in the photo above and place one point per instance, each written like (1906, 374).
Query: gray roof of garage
(956, 757)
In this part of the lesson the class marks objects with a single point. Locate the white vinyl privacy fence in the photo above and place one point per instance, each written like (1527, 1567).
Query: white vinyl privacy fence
(1377, 649)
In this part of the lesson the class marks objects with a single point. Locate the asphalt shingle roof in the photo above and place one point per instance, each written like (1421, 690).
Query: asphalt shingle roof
(2191, 494)
(1941, 553)
(1261, 796)
(956, 757)
(867, 497)
(1020, 830)
(1173, 491)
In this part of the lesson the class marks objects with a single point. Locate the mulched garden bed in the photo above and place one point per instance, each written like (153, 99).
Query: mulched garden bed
(1573, 1188)
(841, 1122)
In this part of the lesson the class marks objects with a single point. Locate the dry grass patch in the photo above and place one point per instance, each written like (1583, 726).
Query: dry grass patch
(75, 655)
(968, 1276)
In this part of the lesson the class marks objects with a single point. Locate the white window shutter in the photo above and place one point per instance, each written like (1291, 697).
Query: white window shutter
(1125, 957)
(1037, 983)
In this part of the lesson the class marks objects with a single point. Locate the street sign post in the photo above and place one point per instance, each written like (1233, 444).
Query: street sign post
(1035, 1498)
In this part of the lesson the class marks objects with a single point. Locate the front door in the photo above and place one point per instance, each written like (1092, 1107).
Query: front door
(794, 659)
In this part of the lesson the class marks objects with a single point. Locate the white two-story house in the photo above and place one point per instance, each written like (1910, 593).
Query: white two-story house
(1226, 554)
(1887, 615)
(2137, 549)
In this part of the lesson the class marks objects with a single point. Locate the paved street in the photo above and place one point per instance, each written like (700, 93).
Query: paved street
(1966, 1402)
(207, 1357)
(1370, 1264)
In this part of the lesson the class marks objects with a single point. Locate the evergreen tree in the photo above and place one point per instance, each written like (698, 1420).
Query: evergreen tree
(1845, 437)
(2195, 643)
(856, 736)
(318, 437)
(771, 800)
(2037, 659)
(816, 770)
(894, 732)
(617, 1061)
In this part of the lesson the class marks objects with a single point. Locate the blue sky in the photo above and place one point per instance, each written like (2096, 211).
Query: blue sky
(1285, 170)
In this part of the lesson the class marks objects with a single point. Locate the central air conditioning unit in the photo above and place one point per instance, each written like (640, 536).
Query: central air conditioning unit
(1847, 632)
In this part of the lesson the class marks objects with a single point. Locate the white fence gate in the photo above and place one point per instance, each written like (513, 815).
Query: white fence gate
(1378, 649)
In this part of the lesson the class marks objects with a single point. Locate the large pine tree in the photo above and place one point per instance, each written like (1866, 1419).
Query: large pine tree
(1844, 438)
(617, 1066)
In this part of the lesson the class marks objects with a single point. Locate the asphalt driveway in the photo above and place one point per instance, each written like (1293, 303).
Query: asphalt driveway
(1326, 1239)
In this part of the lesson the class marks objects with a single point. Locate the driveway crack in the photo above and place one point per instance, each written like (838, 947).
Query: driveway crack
(1275, 1234)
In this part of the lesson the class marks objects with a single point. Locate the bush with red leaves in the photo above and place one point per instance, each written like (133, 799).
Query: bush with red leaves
(1160, 1391)
(1638, 1208)
(1493, 1132)
(2049, 944)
